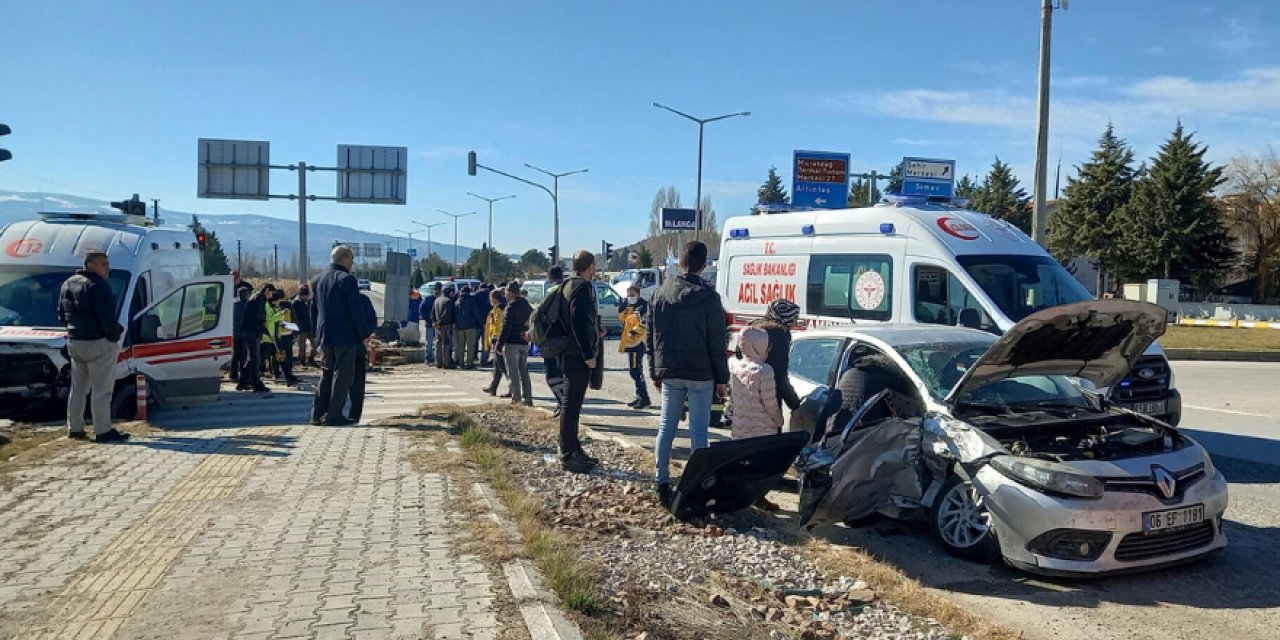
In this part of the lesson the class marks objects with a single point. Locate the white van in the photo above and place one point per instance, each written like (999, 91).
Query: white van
(911, 262)
(178, 322)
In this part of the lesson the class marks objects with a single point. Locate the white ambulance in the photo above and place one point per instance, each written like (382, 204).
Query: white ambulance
(178, 321)
(910, 261)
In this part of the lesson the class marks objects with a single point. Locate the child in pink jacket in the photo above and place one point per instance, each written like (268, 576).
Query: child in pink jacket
(756, 411)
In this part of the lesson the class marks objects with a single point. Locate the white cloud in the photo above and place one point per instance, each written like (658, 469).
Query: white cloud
(1237, 36)
(1251, 92)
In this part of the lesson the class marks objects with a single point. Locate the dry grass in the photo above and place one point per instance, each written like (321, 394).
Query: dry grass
(22, 439)
(905, 592)
(1221, 338)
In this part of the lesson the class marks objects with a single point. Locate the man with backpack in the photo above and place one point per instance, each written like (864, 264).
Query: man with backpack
(567, 323)
(555, 377)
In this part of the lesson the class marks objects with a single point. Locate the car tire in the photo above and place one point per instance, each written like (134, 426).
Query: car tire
(960, 522)
(124, 402)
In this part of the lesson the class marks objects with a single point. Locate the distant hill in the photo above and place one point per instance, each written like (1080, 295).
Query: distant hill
(256, 233)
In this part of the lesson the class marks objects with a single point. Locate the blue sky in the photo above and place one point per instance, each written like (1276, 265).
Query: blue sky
(108, 98)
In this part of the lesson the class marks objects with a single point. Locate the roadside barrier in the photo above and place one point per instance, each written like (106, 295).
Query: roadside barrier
(1228, 324)
(142, 397)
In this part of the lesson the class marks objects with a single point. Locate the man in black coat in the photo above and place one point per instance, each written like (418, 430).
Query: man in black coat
(249, 334)
(687, 361)
(243, 291)
(338, 316)
(427, 312)
(513, 343)
(362, 366)
(446, 319)
(87, 307)
(301, 308)
(579, 359)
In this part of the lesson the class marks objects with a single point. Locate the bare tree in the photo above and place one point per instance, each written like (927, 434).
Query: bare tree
(1252, 209)
(710, 227)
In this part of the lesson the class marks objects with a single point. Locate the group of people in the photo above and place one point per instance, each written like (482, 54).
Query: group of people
(267, 326)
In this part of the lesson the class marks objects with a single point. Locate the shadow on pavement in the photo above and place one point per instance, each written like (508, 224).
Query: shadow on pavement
(1246, 454)
(234, 445)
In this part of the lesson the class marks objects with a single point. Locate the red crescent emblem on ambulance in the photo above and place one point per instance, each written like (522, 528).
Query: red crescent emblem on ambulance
(958, 228)
(24, 248)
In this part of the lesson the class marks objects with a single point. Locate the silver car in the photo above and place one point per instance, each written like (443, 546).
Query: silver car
(1001, 445)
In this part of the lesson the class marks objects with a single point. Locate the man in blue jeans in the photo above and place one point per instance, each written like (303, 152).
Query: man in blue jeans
(687, 359)
(426, 310)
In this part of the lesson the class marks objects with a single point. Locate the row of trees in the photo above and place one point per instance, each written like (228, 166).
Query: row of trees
(1158, 220)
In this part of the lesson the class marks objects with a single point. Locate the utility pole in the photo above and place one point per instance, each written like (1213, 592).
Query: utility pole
(702, 123)
(871, 179)
(239, 259)
(155, 209)
(275, 261)
(1039, 221)
(456, 216)
(488, 256)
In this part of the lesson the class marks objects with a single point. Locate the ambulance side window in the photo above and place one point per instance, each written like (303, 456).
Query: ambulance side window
(851, 286)
(940, 298)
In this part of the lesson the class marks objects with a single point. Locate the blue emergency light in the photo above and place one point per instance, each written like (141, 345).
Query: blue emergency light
(886, 227)
(738, 233)
(807, 229)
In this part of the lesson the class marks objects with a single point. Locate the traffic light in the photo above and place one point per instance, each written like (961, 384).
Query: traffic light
(608, 250)
(4, 153)
(471, 163)
(133, 206)
(200, 239)
(551, 253)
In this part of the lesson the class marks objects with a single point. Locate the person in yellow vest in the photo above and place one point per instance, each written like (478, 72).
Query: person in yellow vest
(278, 340)
(634, 312)
(492, 332)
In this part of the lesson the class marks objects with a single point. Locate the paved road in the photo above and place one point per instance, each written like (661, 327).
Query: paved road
(1232, 407)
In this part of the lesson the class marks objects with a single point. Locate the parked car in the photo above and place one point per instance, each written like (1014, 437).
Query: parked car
(363, 284)
(607, 302)
(1002, 446)
(445, 285)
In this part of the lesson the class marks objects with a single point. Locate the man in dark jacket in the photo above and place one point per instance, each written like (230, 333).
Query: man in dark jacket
(426, 309)
(469, 323)
(582, 355)
(341, 326)
(551, 366)
(446, 320)
(301, 311)
(514, 345)
(482, 308)
(87, 308)
(362, 367)
(249, 333)
(243, 291)
(687, 340)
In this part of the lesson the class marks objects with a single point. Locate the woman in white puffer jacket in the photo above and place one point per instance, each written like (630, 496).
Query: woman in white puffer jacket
(755, 407)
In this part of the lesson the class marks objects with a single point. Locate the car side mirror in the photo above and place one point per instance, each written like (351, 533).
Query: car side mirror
(147, 328)
(969, 318)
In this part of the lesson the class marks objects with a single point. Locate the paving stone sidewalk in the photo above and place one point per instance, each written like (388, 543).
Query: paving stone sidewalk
(267, 532)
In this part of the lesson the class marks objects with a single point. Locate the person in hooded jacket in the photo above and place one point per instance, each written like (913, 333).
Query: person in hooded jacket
(756, 411)
(779, 318)
(687, 362)
(634, 312)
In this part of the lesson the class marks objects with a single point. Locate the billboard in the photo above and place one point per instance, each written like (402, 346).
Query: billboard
(372, 175)
(233, 169)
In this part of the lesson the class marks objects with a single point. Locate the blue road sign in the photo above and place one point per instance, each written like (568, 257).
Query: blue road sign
(679, 219)
(928, 177)
(413, 253)
(820, 179)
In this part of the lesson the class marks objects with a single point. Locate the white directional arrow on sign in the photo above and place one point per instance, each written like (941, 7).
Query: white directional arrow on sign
(819, 201)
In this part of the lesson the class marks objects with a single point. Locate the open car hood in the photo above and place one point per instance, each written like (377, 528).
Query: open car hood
(734, 474)
(1098, 340)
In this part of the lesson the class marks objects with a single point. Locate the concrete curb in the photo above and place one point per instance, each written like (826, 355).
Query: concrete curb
(1227, 355)
(539, 607)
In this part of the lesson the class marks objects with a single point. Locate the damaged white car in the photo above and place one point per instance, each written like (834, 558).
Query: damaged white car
(1001, 445)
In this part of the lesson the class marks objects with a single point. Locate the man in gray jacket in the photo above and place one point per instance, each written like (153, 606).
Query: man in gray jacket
(88, 309)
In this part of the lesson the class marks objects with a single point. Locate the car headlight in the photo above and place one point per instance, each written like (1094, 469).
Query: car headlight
(1049, 477)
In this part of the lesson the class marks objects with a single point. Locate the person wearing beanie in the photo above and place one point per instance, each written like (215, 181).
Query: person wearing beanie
(780, 317)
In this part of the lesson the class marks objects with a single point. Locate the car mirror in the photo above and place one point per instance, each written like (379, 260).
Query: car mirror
(147, 328)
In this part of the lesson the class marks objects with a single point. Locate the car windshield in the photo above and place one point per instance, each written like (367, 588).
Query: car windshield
(534, 292)
(1021, 285)
(940, 366)
(29, 295)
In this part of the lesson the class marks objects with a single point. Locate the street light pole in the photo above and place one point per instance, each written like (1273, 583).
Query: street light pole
(1039, 219)
(488, 256)
(428, 228)
(410, 234)
(455, 217)
(702, 123)
(555, 197)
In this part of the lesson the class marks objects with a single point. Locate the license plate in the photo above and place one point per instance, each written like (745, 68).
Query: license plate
(1149, 408)
(1172, 518)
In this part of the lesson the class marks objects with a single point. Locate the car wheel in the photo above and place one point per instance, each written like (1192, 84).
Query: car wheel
(961, 522)
(124, 403)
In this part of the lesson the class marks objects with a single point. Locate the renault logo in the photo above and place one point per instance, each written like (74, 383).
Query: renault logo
(1146, 373)
(1164, 480)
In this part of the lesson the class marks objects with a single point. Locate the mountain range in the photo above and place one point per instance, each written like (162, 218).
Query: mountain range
(257, 233)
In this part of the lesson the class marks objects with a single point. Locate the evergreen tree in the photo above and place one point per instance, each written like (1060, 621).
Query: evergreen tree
(534, 261)
(895, 179)
(966, 187)
(1172, 226)
(214, 259)
(436, 267)
(644, 258)
(1104, 184)
(858, 193)
(417, 279)
(772, 191)
(1001, 197)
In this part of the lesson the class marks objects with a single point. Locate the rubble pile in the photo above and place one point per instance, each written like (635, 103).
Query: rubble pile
(726, 565)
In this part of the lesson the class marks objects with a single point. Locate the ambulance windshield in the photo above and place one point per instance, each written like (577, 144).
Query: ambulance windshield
(1021, 285)
(29, 294)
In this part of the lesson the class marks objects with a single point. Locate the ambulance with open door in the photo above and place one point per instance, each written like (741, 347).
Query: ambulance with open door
(178, 321)
(910, 261)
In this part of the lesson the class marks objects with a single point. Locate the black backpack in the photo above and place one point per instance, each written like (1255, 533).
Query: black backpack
(549, 326)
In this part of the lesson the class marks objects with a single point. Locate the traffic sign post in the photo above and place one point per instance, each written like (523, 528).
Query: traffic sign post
(928, 177)
(820, 179)
(679, 219)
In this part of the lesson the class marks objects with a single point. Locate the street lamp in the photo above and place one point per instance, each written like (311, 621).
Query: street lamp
(428, 228)
(1039, 219)
(702, 122)
(410, 234)
(455, 217)
(555, 197)
(488, 256)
